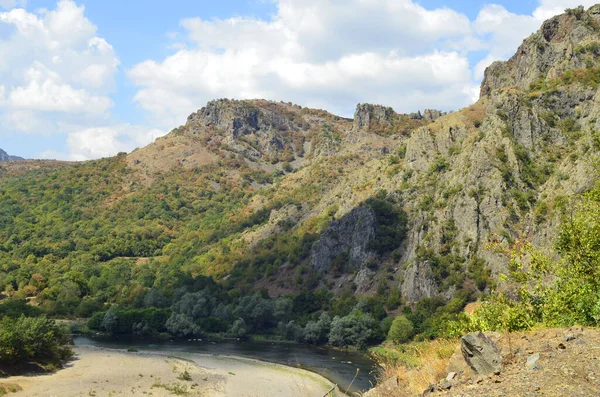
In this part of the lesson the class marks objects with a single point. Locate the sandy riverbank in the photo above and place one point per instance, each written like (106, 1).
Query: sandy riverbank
(103, 373)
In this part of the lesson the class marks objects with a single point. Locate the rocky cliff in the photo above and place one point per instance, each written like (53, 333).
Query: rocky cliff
(493, 171)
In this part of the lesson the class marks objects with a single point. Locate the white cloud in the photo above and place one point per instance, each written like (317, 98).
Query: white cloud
(96, 142)
(549, 8)
(45, 91)
(331, 54)
(504, 31)
(54, 68)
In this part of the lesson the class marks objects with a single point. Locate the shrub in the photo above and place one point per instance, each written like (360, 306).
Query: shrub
(401, 330)
(28, 339)
(356, 329)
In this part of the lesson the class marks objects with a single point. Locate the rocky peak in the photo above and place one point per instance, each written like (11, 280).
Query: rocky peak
(565, 42)
(367, 115)
(428, 115)
(244, 117)
(6, 157)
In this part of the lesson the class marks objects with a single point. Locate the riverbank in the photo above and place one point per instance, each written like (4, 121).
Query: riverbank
(106, 372)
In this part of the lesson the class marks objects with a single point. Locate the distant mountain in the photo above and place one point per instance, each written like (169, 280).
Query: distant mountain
(5, 156)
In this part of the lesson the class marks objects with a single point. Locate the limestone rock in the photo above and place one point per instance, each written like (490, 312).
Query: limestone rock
(532, 361)
(345, 239)
(418, 282)
(367, 115)
(480, 353)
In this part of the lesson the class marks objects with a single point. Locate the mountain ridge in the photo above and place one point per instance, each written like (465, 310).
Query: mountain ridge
(262, 195)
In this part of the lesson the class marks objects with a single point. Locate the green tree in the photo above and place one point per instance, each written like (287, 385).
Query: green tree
(401, 330)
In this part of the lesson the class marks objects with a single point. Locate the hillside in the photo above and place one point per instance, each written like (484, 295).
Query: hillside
(297, 202)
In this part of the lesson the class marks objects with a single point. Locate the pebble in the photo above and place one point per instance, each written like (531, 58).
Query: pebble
(532, 361)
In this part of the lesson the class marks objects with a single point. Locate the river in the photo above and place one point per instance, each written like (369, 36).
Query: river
(339, 366)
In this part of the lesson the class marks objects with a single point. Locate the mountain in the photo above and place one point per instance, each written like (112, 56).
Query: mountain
(5, 157)
(261, 195)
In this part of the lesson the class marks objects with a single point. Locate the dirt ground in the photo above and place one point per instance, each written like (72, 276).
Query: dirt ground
(108, 373)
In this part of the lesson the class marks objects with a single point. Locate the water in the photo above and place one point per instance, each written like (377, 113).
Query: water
(336, 365)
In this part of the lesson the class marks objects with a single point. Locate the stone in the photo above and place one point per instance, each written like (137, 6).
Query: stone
(432, 114)
(569, 337)
(451, 376)
(430, 389)
(445, 386)
(480, 353)
(532, 361)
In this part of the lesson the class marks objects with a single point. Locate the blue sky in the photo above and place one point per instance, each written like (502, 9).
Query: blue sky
(88, 78)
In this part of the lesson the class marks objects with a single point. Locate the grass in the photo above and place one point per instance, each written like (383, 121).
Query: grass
(415, 365)
(175, 388)
(9, 388)
(185, 375)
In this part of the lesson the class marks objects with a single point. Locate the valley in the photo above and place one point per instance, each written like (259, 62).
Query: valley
(271, 221)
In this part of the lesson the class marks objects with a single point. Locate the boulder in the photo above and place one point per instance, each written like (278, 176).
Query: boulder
(480, 353)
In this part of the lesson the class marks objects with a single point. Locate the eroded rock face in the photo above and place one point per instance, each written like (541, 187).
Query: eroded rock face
(256, 129)
(348, 236)
(546, 54)
(432, 114)
(367, 115)
(418, 282)
(480, 353)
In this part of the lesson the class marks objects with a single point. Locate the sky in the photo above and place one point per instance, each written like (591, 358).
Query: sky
(85, 79)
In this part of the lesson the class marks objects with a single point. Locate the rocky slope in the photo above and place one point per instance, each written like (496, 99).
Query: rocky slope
(385, 200)
(548, 362)
(490, 172)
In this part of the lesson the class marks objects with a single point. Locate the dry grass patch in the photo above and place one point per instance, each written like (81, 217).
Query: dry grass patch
(414, 366)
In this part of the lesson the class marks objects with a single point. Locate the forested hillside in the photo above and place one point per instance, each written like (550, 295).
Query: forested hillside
(264, 217)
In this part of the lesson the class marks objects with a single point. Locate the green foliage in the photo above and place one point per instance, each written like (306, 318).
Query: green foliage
(185, 375)
(589, 77)
(15, 308)
(548, 292)
(32, 339)
(130, 321)
(401, 330)
(356, 329)
(391, 221)
(439, 165)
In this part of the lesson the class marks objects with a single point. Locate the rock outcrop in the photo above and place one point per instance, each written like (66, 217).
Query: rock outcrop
(346, 240)
(367, 116)
(6, 157)
(553, 50)
(480, 353)
(418, 282)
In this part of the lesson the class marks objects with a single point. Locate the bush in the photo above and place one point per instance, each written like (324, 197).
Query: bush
(401, 331)
(28, 339)
(356, 329)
